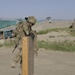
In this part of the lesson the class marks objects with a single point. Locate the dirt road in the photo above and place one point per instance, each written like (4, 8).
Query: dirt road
(47, 62)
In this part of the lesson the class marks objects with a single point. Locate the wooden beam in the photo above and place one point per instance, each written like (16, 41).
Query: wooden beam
(27, 56)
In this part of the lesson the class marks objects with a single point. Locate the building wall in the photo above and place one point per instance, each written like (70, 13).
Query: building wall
(6, 23)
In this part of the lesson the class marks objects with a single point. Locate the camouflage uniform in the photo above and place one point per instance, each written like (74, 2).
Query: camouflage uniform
(23, 29)
(35, 43)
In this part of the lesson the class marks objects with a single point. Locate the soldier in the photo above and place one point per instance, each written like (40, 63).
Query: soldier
(23, 29)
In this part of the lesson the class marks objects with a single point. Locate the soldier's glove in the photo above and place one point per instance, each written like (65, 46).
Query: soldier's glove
(32, 35)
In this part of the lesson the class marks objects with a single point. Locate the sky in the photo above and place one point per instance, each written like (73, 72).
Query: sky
(56, 9)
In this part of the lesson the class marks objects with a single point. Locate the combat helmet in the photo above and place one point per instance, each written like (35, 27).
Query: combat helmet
(31, 19)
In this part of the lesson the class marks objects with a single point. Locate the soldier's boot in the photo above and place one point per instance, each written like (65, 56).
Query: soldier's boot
(13, 65)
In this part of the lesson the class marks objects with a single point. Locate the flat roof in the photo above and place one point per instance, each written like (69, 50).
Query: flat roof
(8, 28)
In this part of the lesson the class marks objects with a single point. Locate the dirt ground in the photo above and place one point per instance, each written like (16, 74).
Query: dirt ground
(54, 36)
(55, 24)
(47, 62)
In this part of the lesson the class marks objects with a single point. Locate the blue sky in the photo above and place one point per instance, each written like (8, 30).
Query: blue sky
(57, 9)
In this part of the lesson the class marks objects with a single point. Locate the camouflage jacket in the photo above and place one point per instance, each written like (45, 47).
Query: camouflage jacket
(23, 29)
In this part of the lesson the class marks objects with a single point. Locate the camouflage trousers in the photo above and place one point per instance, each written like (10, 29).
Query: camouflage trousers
(18, 57)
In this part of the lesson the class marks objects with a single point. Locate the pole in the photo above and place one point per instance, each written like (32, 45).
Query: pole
(27, 56)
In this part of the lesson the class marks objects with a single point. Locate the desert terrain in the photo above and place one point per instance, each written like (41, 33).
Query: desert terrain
(48, 62)
(54, 36)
